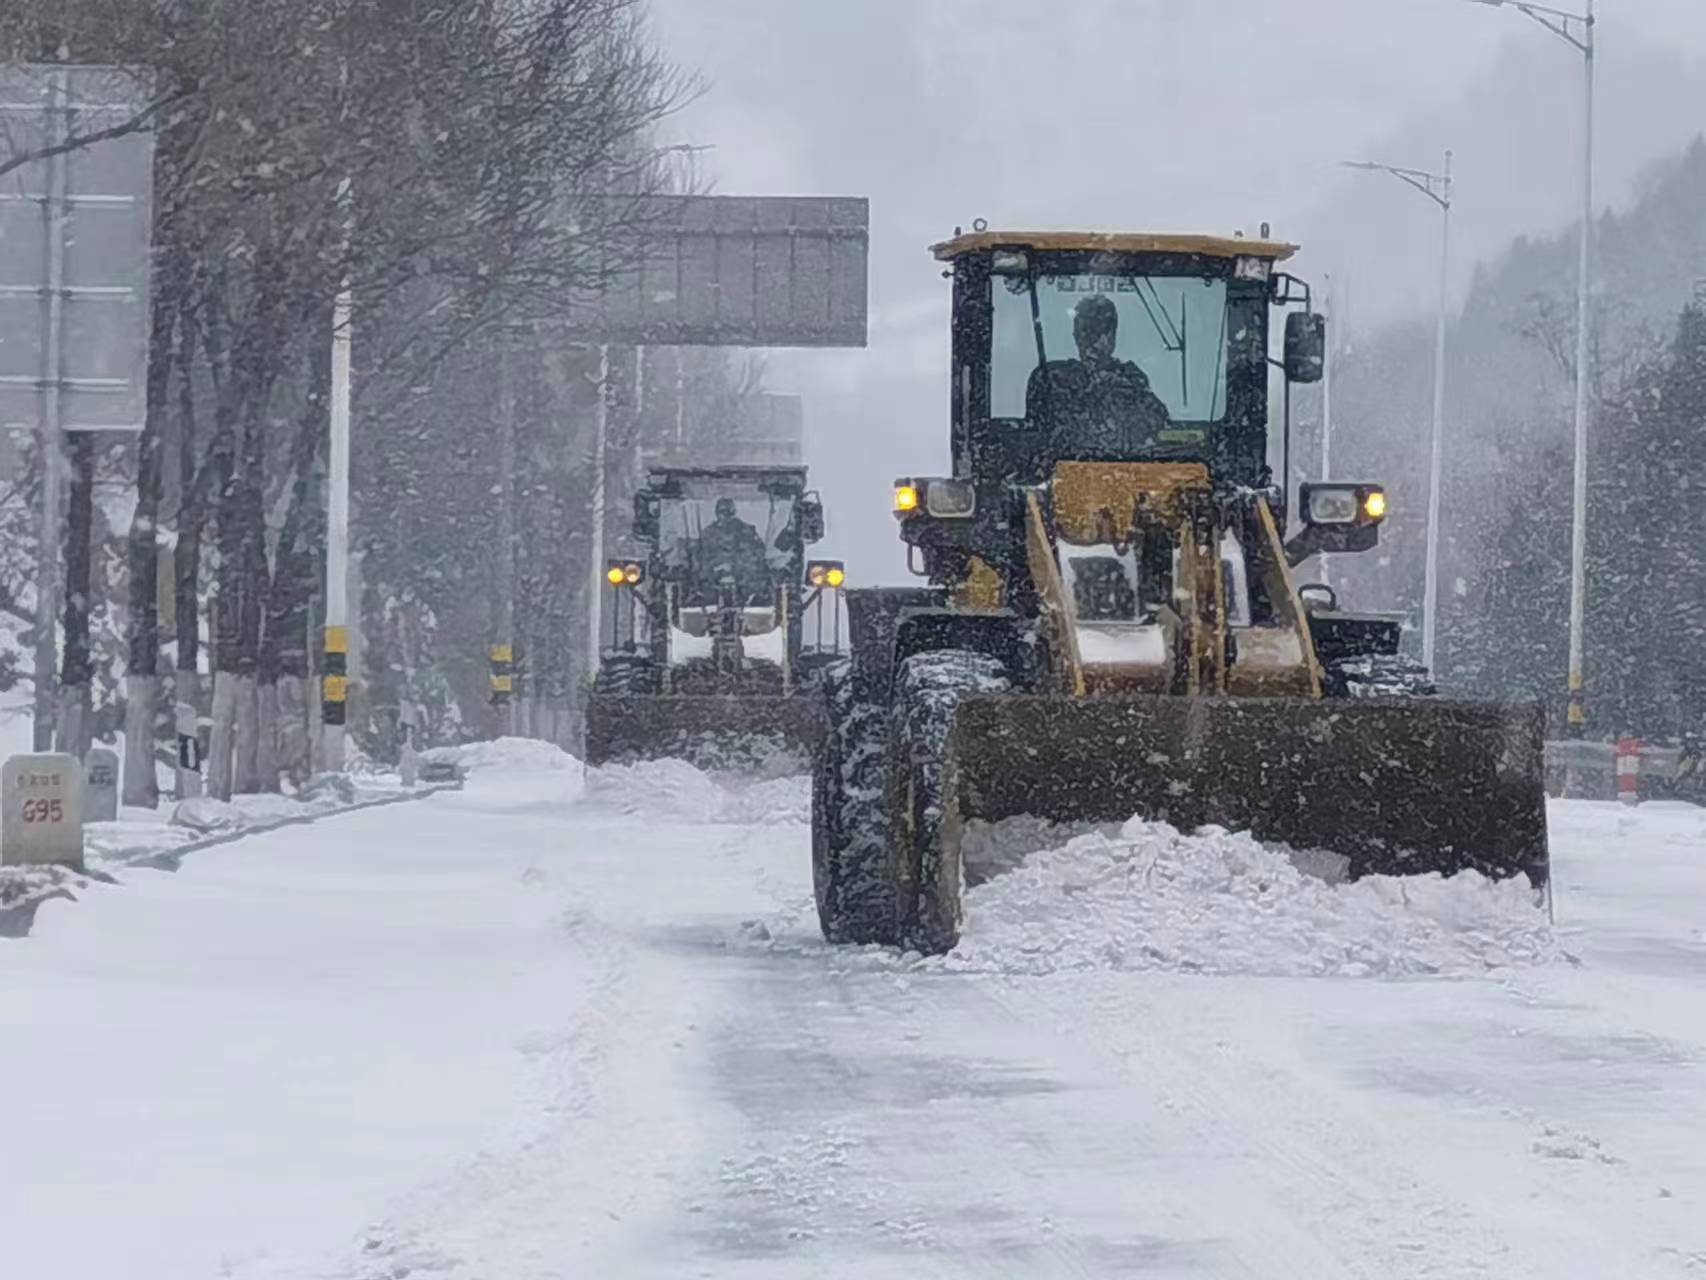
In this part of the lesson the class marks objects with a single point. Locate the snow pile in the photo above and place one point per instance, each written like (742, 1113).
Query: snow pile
(1147, 897)
(510, 755)
(675, 791)
(23, 889)
(205, 814)
(769, 803)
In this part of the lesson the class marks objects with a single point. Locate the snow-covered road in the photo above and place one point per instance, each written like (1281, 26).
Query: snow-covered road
(547, 1028)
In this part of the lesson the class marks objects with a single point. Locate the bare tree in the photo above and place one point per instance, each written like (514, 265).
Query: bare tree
(451, 164)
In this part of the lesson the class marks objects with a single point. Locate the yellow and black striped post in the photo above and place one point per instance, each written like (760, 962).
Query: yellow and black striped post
(503, 674)
(334, 680)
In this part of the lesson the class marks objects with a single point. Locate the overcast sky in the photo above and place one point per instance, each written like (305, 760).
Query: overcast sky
(1148, 114)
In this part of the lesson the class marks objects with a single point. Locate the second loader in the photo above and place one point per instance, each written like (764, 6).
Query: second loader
(714, 636)
(1112, 624)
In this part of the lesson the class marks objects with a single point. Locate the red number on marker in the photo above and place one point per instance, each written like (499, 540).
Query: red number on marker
(44, 811)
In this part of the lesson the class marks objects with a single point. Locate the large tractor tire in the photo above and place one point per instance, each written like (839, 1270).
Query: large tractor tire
(925, 864)
(626, 674)
(855, 901)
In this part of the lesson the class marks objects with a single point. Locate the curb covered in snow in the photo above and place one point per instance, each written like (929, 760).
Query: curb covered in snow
(24, 888)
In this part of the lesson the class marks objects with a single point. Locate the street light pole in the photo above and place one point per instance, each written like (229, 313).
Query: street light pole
(1436, 187)
(1577, 30)
(1430, 593)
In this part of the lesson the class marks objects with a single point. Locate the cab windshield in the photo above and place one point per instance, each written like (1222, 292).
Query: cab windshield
(726, 539)
(1173, 329)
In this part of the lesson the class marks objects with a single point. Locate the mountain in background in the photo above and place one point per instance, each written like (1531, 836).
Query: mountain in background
(1505, 525)
(1515, 135)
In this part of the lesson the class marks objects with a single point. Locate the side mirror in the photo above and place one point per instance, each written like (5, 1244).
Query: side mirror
(810, 515)
(646, 508)
(1305, 346)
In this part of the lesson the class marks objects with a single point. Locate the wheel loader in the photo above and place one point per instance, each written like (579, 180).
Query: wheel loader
(714, 628)
(1112, 622)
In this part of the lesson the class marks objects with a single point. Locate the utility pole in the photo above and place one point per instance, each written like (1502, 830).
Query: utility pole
(1436, 187)
(503, 647)
(51, 434)
(334, 701)
(1430, 595)
(1576, 30)
(601, 436)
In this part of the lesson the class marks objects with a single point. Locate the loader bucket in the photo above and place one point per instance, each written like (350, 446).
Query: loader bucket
(709, 731)
(1394, 786)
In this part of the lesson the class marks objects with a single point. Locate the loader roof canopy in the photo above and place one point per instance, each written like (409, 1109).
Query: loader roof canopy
(706, 479)
(1114, 242)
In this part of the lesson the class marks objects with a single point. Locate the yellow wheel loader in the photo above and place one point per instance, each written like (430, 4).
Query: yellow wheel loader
(713, 630)
(1113, 625)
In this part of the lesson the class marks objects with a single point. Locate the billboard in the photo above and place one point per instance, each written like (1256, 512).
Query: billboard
(74, 237)
(743, 271)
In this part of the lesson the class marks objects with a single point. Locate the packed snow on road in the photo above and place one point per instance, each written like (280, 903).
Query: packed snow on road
(567, 1024)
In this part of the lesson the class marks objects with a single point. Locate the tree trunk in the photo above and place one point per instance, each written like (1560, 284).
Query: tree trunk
(246, 767)
(142, 683)
(187, 692)
(141, 703)
(290, 694)
(221, 747)
(77, 669)
(247, 777)
(186, 565)
(227, 634)
(267, 735)
(284, 665)
(193, 482)
(50, 459)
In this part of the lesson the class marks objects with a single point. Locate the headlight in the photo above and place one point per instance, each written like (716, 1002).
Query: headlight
(1249, 268)
(944, 499)
(951, 499)
(1336, 504)
(826, 573)
(1332, 506)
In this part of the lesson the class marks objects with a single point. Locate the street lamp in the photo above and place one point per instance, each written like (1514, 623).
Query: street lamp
(1576, 29)
(1436, 187)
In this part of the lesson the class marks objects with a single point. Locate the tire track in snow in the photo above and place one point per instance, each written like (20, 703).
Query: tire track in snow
(1337, 1196)
(622, 1115)
(418, 1237)
(899, 1126)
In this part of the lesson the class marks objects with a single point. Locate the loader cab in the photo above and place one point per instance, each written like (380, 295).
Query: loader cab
(1126, 348)
(1116, 348)
(722, 532)
(722, 581)
(1111, 449)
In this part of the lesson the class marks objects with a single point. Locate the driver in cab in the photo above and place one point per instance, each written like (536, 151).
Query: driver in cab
(730, 547)
(1097, 406)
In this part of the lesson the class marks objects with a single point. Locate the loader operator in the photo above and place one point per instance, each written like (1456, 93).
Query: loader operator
(1097, 406)
(730, 547)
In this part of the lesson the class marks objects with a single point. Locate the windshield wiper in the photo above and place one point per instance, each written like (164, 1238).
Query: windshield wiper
(1172, 334)
(1037, 319)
